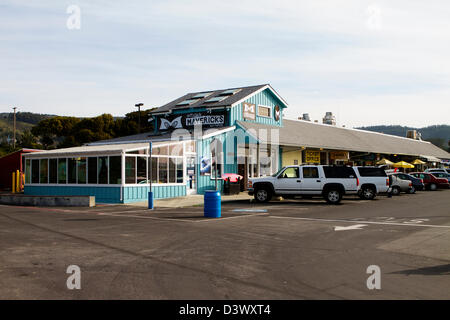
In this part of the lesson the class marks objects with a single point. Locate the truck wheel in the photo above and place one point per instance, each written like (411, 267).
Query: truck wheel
(368, 193)
(412, 190)
(333, 196)
(433, 187)
(263, 195)
(395, 191)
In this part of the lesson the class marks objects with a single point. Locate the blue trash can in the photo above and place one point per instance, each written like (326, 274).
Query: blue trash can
(212, 204)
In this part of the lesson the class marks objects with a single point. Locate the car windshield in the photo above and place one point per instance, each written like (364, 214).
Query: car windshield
(279, 171)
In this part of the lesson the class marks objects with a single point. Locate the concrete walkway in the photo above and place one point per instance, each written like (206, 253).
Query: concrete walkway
(190, 201)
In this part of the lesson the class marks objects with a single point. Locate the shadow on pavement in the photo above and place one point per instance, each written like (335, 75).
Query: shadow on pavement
(443, 269)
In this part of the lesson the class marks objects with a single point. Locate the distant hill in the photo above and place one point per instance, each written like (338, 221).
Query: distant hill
(27, 117)
(439, 135)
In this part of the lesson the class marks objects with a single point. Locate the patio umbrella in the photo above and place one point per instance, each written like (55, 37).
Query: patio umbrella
(385, 161)
(403, 164)
(418, 161)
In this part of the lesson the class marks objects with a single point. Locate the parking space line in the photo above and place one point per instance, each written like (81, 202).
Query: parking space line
(362, 221)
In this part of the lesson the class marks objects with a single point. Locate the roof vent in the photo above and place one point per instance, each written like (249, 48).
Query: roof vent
(329, 119)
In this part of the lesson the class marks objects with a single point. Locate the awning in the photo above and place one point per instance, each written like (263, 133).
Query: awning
(431, 158)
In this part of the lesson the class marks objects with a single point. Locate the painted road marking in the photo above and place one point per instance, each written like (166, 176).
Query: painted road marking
(249, 210)
(367, 222)
(354, 227)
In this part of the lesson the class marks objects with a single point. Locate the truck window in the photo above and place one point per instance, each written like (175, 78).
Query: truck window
(310, 172)
(290, 172)
(371, 172)
(339, 172)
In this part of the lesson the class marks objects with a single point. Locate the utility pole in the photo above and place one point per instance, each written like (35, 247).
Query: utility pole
(139, 105)
(14, 139)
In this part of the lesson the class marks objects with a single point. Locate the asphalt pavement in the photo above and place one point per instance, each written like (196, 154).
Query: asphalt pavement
(292, 249)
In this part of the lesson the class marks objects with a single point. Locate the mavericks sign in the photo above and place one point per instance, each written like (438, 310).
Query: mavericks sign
(189, 120)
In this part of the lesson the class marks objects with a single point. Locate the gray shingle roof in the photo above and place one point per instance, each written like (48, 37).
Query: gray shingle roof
(228, 101)
(314, 135)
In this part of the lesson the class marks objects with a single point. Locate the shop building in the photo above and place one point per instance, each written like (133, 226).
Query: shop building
(238, 130)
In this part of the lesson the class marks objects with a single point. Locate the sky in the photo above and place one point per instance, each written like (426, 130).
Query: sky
(368, 62)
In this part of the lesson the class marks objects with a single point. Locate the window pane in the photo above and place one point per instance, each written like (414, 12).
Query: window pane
(92, 170)
(310, 172)
(160, 151)
(43, 176)
(72, 170)
(35, 171)
(28, 171)
(176, 149)
(53, 173)
(290, 173)
(264, 159)
(153, 173)
(141, 170)
(162, 168)
(130, 170)
(81, 170)
(115, 170)
(179, 170)
(62, 172)
(172, 170)
(103, 170)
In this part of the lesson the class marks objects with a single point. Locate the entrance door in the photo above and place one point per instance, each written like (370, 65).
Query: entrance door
(190, 174)
(242, 171)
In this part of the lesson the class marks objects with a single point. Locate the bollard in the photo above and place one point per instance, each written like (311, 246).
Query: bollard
(212, 204)
(150, 200)
(18, 189)
(13, 186)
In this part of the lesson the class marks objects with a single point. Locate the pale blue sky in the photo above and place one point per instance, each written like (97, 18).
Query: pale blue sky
(369, 62)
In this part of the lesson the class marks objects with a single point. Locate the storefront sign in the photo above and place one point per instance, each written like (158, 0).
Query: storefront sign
(338, 155)
(312, 156)
(188, 121)
(276, 113)
(249, 111)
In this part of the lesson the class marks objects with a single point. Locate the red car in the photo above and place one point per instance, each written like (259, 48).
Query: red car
(430, 181)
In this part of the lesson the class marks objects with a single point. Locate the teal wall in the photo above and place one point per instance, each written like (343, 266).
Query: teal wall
(265, 98)
(108, 194)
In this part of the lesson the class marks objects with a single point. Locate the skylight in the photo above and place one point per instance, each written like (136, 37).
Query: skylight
(201, 95)
(229, 92)
(215, 99)
(187, 102)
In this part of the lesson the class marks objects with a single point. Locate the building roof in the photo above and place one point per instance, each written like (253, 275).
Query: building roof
(299, 133)
(230, 96)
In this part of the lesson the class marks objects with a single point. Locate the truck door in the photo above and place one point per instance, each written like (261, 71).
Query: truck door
(311, 181)
(288, 181)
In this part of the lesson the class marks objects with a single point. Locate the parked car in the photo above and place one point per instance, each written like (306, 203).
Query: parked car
(330, 182)
(398, 185)
(430, 181)
(432, 170)
(372, 181)
(443, 175)
(417, 183)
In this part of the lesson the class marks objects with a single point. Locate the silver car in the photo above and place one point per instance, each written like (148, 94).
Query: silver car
(398, 185)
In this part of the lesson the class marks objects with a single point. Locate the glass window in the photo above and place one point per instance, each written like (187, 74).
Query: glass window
(92, 170)
(141, 170)
(53, 171)
(103, 170)
(172, 170)
(263, 111)
(130, 170)
(115, 170)
(158, 151)
(176, 149)
(339, 172)
(310, 172)
(291, 172)
(34, 171)
(190, 146)
(28, 171)
(371, 172)
(43, 171)
(179, 170)
(62, 172)
(153, 173)
(265, 161)
(162, 170)
(72, 170)
(81, 162)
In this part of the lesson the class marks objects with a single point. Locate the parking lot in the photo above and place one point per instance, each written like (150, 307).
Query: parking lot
(292, 249)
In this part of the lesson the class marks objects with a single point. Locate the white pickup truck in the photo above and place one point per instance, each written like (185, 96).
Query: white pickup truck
(372, 181)
(330, 182)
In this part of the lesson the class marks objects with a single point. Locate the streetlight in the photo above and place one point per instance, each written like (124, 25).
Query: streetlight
(139, 105)
(14, 140)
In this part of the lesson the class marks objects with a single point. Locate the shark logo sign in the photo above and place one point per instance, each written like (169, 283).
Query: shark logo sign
(167, 124)
(276, 113)
(249, 111)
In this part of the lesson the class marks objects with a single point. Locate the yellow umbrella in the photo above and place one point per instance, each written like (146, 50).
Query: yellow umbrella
(418, 161)
(403, 164)
(385, 161)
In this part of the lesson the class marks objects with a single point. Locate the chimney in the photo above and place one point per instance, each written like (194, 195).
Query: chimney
(413, 134)
(329, 119)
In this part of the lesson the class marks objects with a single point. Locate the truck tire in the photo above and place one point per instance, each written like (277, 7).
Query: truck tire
(333, 196)
(368, 193)
(263, 194)
(396, 191)
(433, 187)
